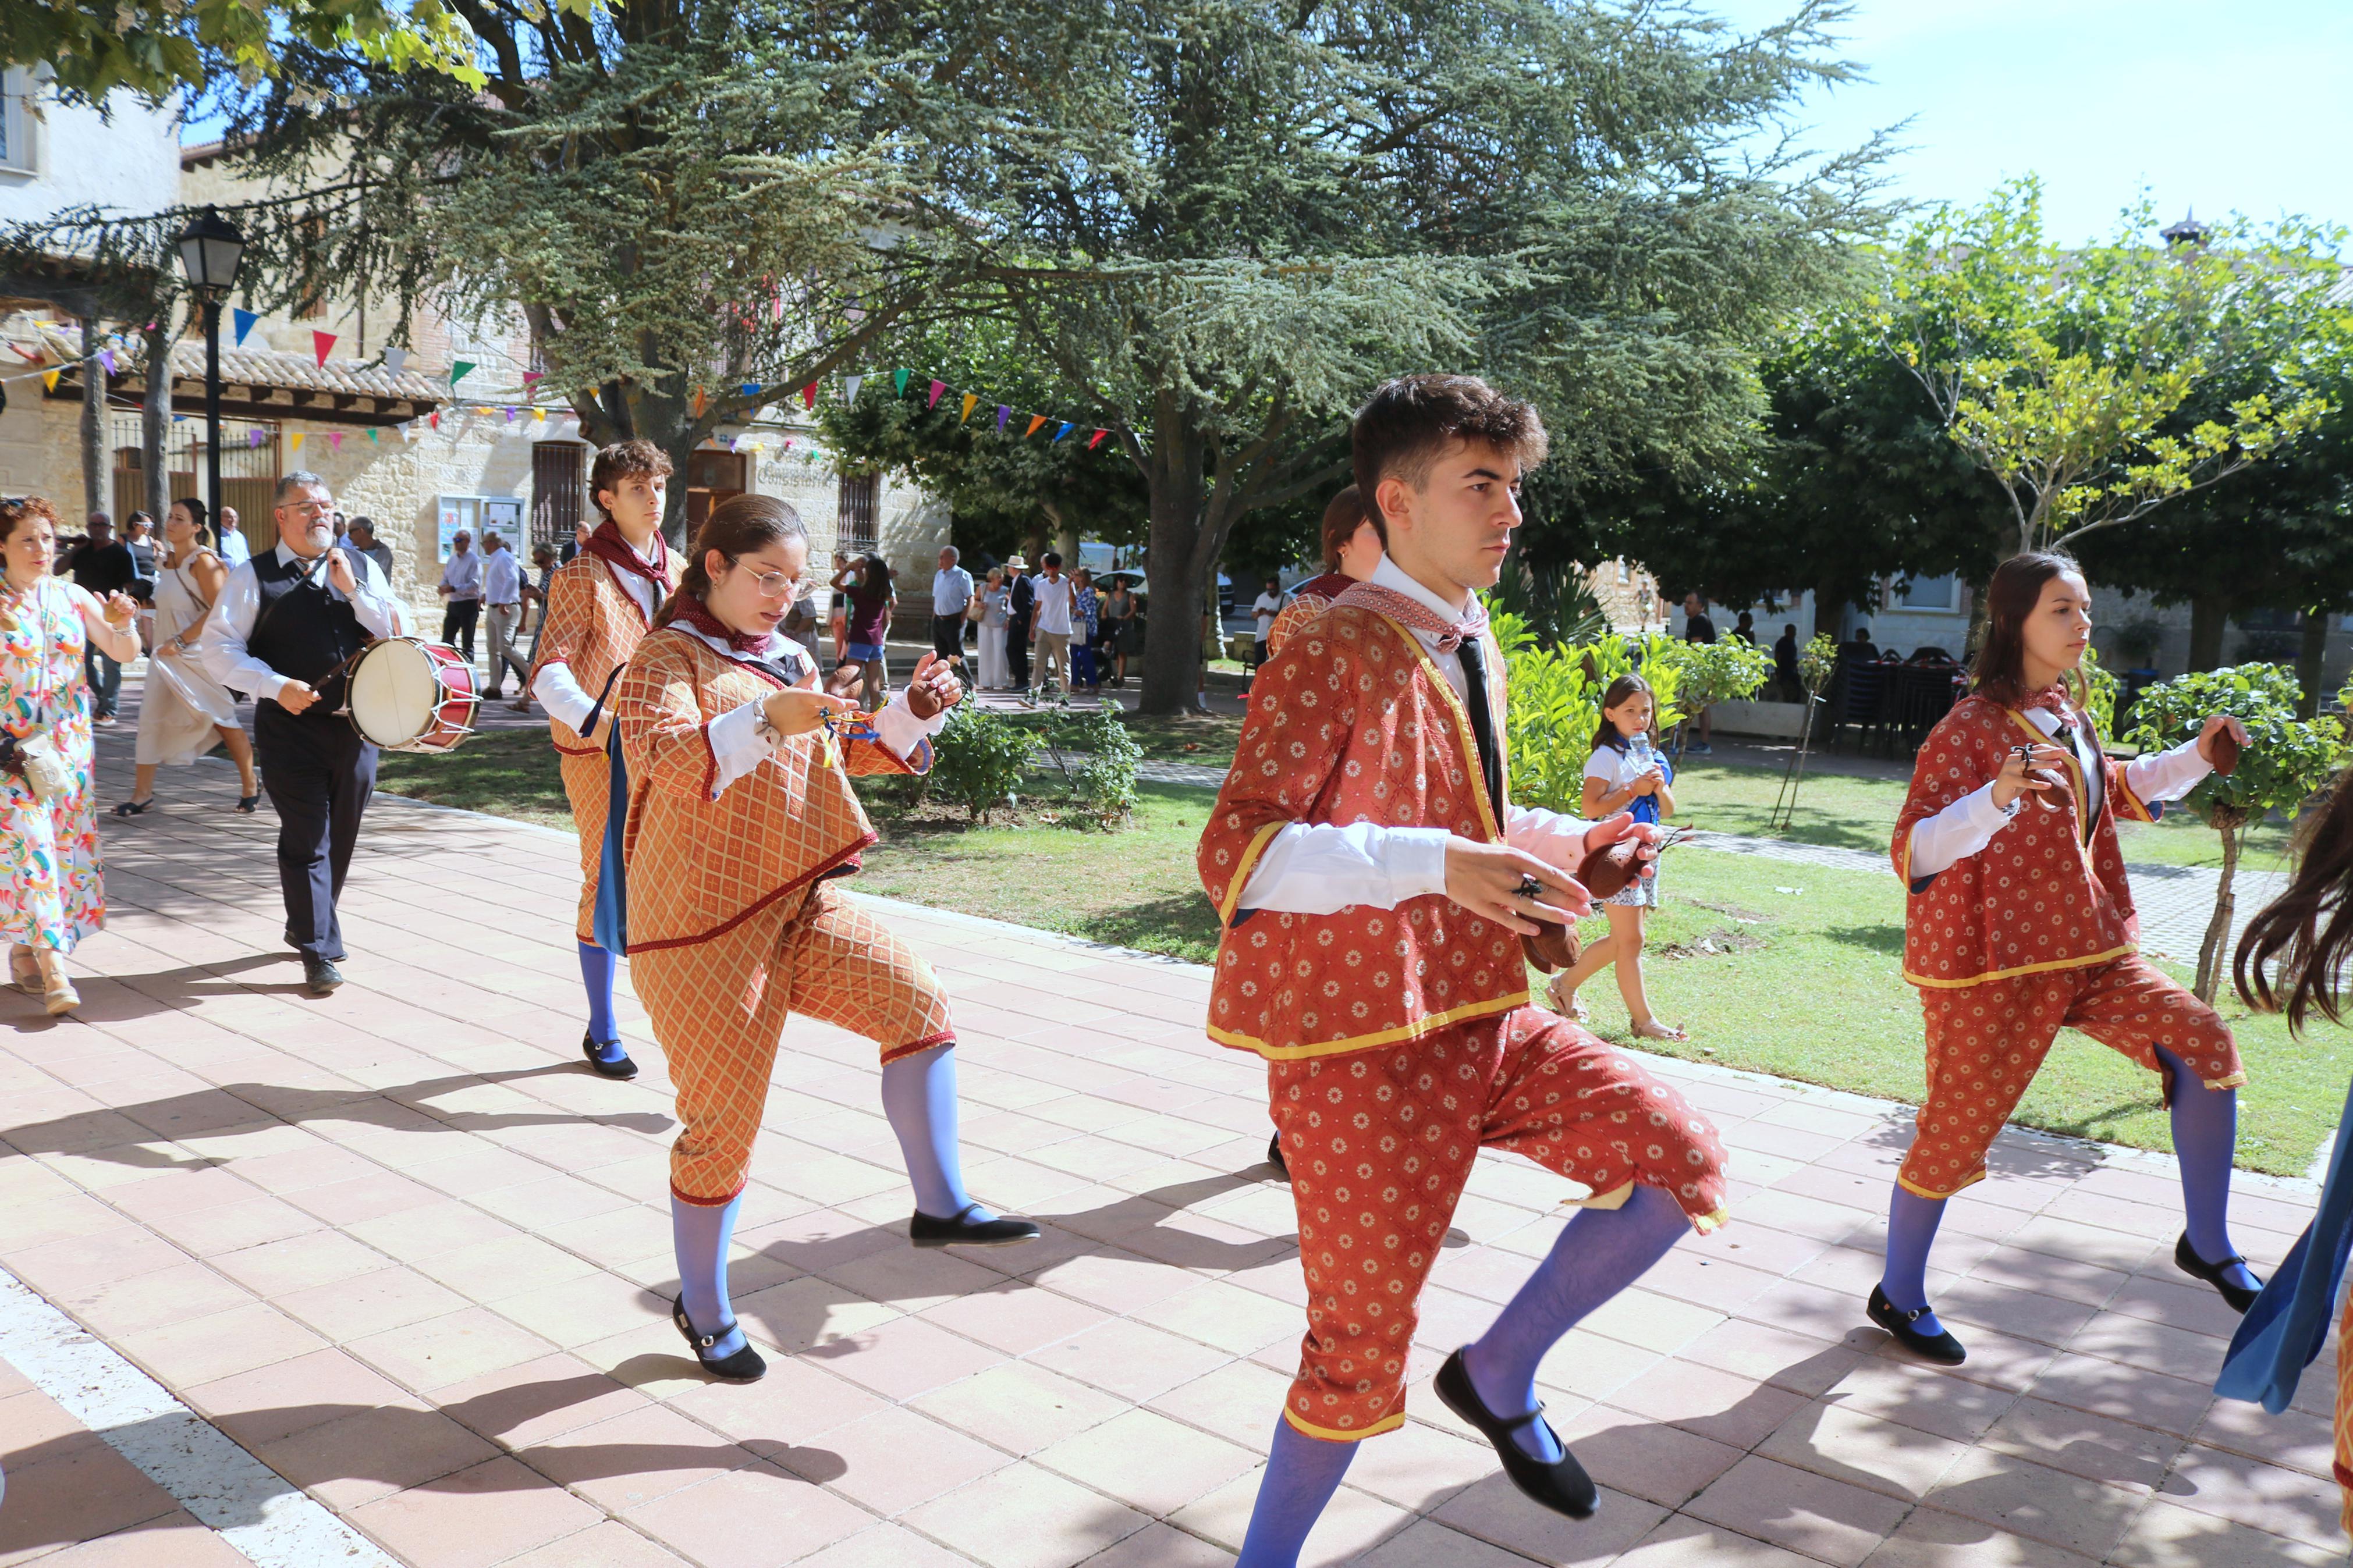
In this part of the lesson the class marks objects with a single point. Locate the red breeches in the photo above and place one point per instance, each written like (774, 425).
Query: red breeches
(1986, 1043)
(1380, 1143)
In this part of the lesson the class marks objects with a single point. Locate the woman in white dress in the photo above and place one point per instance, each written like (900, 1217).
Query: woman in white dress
(184, 711)
(995, 675)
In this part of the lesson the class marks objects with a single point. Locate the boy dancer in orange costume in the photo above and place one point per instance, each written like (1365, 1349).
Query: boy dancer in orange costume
(740, 818)
(2019, 922)
(598, 606)
(1374, 882)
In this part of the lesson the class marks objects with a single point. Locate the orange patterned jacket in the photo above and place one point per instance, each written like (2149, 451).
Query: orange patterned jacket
(1352, 723)
(702, 860)
(2048, 893)
(593, 625)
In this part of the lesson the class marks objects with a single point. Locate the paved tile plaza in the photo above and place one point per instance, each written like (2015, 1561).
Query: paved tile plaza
(405, 1252)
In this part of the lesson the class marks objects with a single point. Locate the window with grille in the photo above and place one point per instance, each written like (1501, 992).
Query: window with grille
(251, 455)
(854, 522)
(558, 491)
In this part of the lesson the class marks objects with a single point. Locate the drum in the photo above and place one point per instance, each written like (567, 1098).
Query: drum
(409, 695)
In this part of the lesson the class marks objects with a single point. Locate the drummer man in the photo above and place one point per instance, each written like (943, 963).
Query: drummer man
(284, 625)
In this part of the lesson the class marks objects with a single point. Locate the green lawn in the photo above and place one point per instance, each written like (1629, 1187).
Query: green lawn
(1805, 980)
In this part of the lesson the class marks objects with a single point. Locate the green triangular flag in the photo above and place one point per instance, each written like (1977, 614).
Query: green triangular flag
(458, 369)
(901, 378)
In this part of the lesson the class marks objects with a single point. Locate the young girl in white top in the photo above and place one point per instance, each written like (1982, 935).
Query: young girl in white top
(1625, 774)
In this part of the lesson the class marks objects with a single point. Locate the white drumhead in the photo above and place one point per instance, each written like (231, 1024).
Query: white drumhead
(394, 692)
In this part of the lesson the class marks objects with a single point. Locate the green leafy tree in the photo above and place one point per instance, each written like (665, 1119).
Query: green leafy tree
(1707, 673)
(2064, 374)
(1553, 699)
(1288, 203)
(157, 47)
(2286, 759)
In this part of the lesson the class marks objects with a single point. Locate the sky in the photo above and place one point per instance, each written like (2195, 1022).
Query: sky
(2216, 106)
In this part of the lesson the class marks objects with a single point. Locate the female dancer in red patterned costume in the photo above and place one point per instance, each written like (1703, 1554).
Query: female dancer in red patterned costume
(2021, 923)
(1375, 882)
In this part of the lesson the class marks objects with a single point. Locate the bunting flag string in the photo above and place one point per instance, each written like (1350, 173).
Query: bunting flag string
(970, 399)
(243, 321)
(1067, 427)
(901, 377)
(849, 385)
(933, 400)
(1003, 414)
(1035, 420)
(319, 343)
(396, 361)
(335, 440)
(458, 369)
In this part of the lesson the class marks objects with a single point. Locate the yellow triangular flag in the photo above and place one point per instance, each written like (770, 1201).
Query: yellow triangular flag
(50, 379)
(970, 399)
(294, 442)
(539, 416)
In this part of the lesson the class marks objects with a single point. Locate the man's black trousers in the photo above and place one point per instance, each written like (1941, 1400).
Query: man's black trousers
(948, 636)
(320, 774)
(457, 623)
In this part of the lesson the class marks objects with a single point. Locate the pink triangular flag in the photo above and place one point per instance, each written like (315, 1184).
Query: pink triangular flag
(335, 440)
(319, 343)
(532, 378)
(937, 387)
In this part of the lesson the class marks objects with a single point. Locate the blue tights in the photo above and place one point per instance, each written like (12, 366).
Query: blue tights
(2205, 1136)
(1598, 1253)
(597, 967)
(919, 1097)
(699, 1235)
(1302, 1474)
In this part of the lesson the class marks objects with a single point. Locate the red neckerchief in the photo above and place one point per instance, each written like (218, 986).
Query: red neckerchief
(1417, 615)
(606, 544)
(2053, 696)
(690, 611)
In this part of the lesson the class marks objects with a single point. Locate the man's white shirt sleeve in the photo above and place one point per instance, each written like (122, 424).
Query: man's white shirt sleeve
(221, 646)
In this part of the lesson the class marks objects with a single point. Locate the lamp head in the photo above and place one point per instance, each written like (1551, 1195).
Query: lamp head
(210, 249)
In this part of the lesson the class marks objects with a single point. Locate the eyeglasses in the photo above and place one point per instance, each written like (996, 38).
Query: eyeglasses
(772, 584)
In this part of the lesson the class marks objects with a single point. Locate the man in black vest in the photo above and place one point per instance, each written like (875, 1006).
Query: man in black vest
(285, 624)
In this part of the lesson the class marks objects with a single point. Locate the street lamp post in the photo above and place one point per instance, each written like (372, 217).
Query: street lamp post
(210, 249)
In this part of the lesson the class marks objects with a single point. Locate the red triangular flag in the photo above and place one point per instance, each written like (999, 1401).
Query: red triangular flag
(319, 343)
(433, 419)
(531, 376)
(1035, 420)
(1095, 437)
(937, 387)
(809, 395)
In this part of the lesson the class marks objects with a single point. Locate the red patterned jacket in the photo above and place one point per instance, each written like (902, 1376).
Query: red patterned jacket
(1351, 723)
(2048, 893)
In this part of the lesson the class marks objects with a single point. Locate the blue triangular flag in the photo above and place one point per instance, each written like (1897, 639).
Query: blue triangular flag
(245, 319)
(751, 389)
(1066, 429)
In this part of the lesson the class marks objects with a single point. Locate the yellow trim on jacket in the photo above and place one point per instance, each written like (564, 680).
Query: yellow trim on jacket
(1250, 853)
(1389, 1423)
(1413, 1031)
(1490, 813)
(2043, 968)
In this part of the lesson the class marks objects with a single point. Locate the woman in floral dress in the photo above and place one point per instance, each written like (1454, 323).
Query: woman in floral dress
(52, 889)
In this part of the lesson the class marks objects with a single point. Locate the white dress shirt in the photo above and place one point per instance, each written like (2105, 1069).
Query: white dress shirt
(736, 743)
(1965, 827)
(1053, 612)
(463, 575)
(951, 590)
(1321, 868)
(558, 690)
(220, 647)
(502, 578)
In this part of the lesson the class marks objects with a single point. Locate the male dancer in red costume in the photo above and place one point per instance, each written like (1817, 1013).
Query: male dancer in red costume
(1374, 882)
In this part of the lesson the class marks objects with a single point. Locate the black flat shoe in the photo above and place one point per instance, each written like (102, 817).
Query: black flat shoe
(621, 1066)
(245, 804)
(135, 807)
(2186, 1258)
(1562, 1486)
(744, 1366)
(1941, 1349)
(1274, 1157)
(960, 1231)
(320, 977)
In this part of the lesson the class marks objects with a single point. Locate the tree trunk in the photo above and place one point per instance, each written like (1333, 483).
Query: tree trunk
(2213, 953)
(1829, 607)
(1172, 640)
(2311, 655)
(93, 424)
(2208, 612)
(154, 417)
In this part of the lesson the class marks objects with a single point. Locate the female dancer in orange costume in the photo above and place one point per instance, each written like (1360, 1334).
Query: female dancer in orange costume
(739, 820)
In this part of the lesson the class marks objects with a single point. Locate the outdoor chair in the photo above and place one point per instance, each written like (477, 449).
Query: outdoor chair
(1922, 695)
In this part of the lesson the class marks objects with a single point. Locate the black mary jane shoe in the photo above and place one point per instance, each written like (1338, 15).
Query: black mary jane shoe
(962, 1230)
(1943, 1348)
(2186, 1258)
(248, 804)
(620, 1066)
(744, 1366)
(135, 807)
(1274, 1157)
(1561, 1486)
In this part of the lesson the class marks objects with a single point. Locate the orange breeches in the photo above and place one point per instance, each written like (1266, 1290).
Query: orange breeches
(719, 1007)
(588, 784)
(1380, 1142)
(1986, 1042)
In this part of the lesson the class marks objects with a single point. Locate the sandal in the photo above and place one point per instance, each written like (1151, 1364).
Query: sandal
(58, 994)
(135, 807)
(247, 802)
(1652, 1029)
(1574, 1009)
(24, 971)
